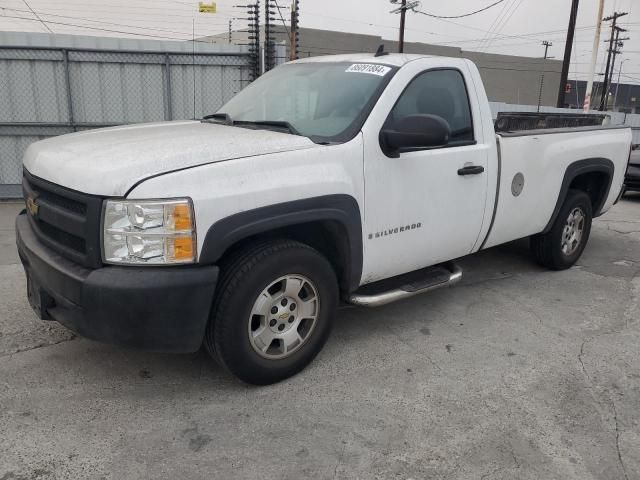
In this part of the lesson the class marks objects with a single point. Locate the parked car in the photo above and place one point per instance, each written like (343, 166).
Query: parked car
(632, 179)
(356, 178)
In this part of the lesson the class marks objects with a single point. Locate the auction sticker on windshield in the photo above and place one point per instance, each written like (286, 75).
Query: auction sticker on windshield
(369, 68)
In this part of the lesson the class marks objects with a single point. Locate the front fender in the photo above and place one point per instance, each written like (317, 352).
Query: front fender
(339, 208)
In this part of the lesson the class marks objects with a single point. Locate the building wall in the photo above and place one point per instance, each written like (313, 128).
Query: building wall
(507, 78)
(627, 99)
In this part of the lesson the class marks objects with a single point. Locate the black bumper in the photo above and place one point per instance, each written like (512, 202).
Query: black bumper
(159, 309)
(632, 179)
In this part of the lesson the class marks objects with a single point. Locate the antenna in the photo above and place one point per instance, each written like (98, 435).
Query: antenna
(380, 52)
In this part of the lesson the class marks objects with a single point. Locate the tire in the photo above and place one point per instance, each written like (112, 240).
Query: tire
(558, 249)
(252, 287)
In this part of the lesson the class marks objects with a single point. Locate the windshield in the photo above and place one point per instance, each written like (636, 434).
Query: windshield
(323, 101)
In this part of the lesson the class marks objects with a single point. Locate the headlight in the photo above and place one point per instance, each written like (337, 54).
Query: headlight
(154, 232)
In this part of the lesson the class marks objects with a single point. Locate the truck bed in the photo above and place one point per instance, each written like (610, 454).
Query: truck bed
(541, 158)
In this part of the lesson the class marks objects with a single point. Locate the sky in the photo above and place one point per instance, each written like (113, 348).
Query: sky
(513, 27)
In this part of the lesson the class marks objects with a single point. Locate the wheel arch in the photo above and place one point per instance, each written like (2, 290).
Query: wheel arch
(331, 224)
(593, 176)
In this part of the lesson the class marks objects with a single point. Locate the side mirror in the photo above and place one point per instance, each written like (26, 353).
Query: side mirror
(415, 132)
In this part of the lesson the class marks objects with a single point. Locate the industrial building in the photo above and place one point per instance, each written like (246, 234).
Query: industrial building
(622, 97)
(507, 78)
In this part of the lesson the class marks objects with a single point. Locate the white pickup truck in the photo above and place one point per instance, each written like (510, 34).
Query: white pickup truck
(356, 178)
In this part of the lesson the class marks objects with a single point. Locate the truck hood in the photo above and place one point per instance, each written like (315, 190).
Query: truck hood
(110, 161)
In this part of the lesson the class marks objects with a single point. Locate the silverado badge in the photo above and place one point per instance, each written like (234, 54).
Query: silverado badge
(32, 206)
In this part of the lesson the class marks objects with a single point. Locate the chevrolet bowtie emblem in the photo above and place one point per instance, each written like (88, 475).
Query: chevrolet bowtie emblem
(32, 206)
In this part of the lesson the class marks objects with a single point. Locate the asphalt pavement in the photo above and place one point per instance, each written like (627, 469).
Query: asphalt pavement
(517, 373)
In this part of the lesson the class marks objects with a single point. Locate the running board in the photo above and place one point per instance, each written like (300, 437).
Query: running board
(405, 286)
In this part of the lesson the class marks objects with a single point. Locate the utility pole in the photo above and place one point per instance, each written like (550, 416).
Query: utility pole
(253, 15)
(615, 98)
(594, 57)
(619, 43)
(253, 38)
(230, 29)
(294, 44)
(403, 16)
(269, 45)
(544, 65)
(568, 47)
(605, 91)
(402, 10)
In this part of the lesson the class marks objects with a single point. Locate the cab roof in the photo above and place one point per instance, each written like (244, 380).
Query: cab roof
(391, 59)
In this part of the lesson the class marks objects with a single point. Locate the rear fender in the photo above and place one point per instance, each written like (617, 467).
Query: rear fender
(602, 165)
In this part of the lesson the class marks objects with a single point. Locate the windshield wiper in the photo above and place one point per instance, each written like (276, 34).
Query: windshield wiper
(227, 120)
(271, 123)
(225, 117)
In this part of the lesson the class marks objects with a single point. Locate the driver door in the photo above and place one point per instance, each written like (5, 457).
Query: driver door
(421, 208)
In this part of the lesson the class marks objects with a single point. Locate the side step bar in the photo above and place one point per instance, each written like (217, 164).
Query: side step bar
(422, 281)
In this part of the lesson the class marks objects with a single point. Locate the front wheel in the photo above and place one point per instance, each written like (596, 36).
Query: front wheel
(562, 246)
(273, 311)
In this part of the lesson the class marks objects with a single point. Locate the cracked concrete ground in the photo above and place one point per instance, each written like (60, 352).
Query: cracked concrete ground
(518, 373)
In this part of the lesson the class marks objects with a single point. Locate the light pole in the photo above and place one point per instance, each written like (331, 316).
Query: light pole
(594, 57)
(615, 98)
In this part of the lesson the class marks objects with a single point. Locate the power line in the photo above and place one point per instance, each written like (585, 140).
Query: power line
(523, 36)
(494, 24)
(498, 38)
(100, 21)
(284, 24)
(119, 11)
(457, 39)
(460, 16)
(32, 11)
(503, 24)
(102, 29)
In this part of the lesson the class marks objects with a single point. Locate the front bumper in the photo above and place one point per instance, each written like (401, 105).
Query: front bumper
(150, 308)
(632, 179)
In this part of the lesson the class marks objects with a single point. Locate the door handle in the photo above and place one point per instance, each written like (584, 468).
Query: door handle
(471, 170)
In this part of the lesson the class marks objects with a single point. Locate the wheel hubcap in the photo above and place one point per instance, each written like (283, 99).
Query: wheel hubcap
(573, 232)
(283, 316)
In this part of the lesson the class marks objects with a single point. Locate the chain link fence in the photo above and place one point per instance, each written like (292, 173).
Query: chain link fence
(47, 91)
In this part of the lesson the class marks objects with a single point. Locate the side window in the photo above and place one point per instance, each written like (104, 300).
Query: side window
(442, 93)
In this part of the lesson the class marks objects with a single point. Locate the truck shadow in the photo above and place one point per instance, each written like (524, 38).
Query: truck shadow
(499, 262)
(353, 326)
(200, 371)
(632, 197)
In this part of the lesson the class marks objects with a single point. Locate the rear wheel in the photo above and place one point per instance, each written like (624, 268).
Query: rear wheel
(273, 311)
(562, 246)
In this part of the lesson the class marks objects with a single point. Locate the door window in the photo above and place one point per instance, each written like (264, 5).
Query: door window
(442, 93)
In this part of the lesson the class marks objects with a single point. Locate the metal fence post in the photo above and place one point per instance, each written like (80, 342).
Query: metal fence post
(67, 81)
(167, 88)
